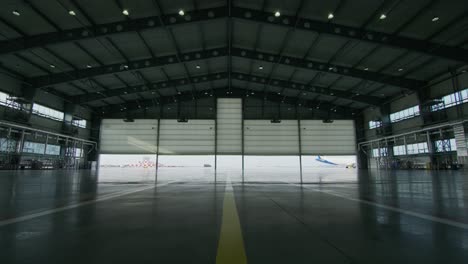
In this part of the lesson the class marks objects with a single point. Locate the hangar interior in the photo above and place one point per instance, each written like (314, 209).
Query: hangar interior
(206, 131)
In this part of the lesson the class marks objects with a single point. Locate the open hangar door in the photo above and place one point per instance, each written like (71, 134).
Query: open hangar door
(244, 150)
(142, 149)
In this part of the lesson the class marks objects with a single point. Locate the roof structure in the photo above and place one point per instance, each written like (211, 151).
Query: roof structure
(347, 55)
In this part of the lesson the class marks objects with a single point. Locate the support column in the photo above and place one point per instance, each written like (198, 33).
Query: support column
(215, 107)
(157, 149)
(362, 158)
(300, 146)
(242, 139)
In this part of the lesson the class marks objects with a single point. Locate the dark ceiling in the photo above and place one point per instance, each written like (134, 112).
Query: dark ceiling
(100, 57)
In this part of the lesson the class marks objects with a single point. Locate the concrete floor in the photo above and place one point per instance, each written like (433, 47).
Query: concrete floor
(72, 217)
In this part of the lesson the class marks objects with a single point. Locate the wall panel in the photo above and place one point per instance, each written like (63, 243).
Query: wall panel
(265, 138)
(119, 137)
(193, 137)
(337, 138)
(229, 122)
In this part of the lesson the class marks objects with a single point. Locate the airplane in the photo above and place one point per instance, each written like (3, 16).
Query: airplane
(324, 161)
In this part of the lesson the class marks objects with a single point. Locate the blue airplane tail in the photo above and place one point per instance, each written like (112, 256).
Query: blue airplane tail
(319, 159)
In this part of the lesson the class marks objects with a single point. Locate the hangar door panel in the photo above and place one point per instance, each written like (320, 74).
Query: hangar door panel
(261, 137)
(193, 137)
(337, 138)
(229, 122)
(119, 137)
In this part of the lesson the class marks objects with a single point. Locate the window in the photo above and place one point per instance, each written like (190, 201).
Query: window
(53, 150)
(379, 152)
(451, 100)
(445, 145)
(78, 152)
(47, 112)
(404, 114)
(4, 100)
(399, 150)
(79, 123)
(417, 148)
(33, 147)
(375, 124)
(7, 145)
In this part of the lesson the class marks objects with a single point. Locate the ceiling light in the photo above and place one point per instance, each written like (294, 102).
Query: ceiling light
(435, 19)
(334, 110)
(181, 12)
(125, 12)
(260, 67)
(330, 16)
(16, 13)
(52, 66)
(89, 66)
(401, 69)
(366, 69)
(198, 67)
(383, 16)
(72, 13)
(125, 66)
(277, 14)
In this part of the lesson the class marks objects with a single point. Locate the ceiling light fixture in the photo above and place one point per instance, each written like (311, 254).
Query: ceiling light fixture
(198, 67)
(277, 13)
(125, 12)
(89, 66)
(366, 69)
(52, 66)
(16, 13)
(435, 19)
(260, 67)
(383, 16)
(181, 12)
(401, 69)
(330, 16)
(72, 13)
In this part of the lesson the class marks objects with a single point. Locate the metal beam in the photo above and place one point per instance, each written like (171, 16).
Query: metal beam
(416, 45)
(131, 25)
(284, 84)
(423, 46)
(410, 84)
(52, 79)
(226, 92)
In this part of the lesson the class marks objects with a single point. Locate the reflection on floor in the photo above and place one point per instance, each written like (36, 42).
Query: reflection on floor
(120, 216)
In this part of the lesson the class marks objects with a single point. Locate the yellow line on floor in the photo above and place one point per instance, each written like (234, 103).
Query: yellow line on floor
(231, 244)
